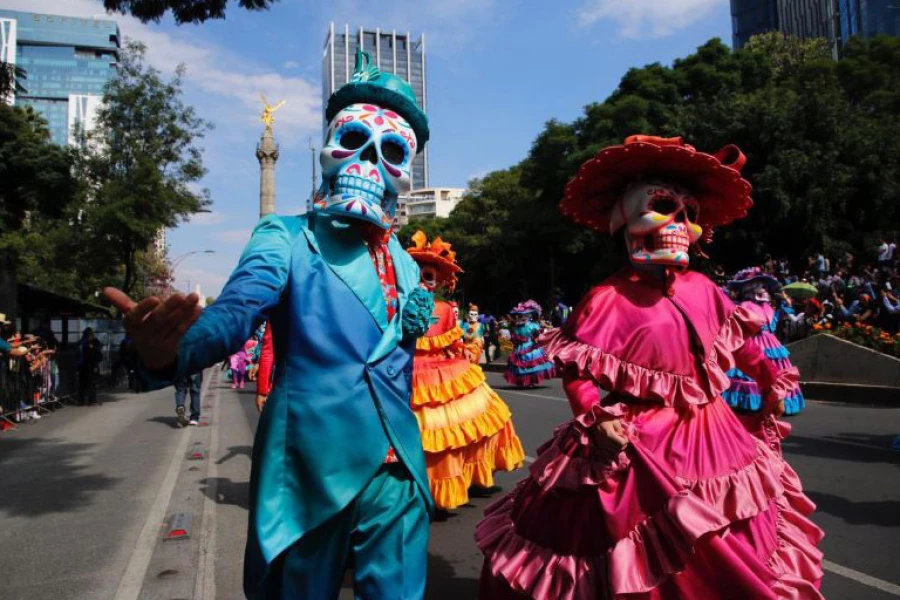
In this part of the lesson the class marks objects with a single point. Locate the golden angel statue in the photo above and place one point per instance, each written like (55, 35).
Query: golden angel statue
(267, 115)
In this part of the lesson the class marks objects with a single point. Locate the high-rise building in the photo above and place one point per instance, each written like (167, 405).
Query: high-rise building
(428, 203)
(834, 20)
(392, 52)
(67, 61)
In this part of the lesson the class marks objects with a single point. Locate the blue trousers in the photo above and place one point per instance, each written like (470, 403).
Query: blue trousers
(382, 536)
(193, 384)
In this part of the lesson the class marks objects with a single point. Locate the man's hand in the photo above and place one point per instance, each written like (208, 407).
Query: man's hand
(261, 402)
(611, 438)
(156, 326)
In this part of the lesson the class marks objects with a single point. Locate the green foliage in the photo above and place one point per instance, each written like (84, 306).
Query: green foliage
(93, 211)
(35, 174)
(141, 162)
(822, 140)
(11, 78)
(184, 11)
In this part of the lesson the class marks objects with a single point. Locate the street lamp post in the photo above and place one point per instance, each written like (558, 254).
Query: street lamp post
(174, 264)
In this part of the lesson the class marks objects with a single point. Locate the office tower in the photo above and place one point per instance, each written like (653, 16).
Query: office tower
(834, 20)
(392, 52)
(67, 60)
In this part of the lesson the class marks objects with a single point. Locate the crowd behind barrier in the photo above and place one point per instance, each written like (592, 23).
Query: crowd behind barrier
(41, 373)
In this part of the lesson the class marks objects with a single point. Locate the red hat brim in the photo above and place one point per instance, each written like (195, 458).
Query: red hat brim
(430, 258)
(723, 194)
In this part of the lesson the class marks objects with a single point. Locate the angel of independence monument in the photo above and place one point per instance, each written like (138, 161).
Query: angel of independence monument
(267, 154)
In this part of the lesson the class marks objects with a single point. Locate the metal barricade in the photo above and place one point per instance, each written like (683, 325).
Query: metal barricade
(27, 389)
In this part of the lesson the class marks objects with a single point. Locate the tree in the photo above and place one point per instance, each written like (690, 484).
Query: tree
(35, 174)
(822, 140)
(184, 11)
(141, 164)
(11, 78)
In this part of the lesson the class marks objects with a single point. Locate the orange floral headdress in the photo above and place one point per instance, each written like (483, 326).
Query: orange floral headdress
(438, 254)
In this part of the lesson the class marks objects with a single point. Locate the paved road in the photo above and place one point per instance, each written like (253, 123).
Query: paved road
(85, 495)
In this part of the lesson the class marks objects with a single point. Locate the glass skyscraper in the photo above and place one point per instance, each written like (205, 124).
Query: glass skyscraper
(67, 60)
(835, 20)
(393, 52)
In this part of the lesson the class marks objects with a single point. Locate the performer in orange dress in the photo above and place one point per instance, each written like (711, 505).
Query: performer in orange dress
(467, 430)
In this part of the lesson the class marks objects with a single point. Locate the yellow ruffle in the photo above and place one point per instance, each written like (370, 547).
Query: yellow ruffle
(462, 422)
(451, 389)
(439, 342)
(452, 492)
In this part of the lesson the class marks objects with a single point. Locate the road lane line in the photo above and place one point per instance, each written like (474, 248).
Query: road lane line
(867, 580)
(205, 584)
(530, 459)
(502, 391)
(133, 579)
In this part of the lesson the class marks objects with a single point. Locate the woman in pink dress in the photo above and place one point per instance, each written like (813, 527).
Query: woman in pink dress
(240, 360)
(655, 491)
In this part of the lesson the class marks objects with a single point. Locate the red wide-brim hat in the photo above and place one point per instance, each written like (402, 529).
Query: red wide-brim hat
(714, 179)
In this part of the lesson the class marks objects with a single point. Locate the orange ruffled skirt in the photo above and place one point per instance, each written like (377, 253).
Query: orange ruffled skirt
(467, 430)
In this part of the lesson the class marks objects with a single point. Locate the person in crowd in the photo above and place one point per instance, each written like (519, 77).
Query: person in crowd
(756, 289)
(528, 365)
(655, 490)
(467, 429)
(491, 336)
(184, 385)
(265, 370)
(90, 355)
(239, 362)
(339, 477)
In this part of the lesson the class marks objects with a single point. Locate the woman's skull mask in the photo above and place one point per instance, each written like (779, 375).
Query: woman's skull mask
(366, 163)
(660, 221)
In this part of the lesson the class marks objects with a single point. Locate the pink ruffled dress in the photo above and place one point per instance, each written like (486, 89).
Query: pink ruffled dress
(695, 507)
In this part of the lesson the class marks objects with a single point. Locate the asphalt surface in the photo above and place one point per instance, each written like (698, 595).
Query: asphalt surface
(86, 495)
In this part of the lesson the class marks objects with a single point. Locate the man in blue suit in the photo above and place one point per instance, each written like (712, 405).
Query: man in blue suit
(338, 474)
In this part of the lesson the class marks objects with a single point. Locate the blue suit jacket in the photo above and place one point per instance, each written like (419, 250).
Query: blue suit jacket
(342, 375)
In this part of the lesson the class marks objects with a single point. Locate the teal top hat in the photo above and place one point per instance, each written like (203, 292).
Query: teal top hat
(369, 84)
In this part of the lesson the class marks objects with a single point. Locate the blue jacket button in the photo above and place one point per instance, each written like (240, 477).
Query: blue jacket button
(391, 371)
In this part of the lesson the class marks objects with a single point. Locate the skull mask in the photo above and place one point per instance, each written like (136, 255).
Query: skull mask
(473, 315)
(429, 277)
(366, 164)
(757, 292)
(660, 222)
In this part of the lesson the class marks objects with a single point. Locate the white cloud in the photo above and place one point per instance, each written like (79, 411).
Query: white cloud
(646, 18)
(235, 87)
(291, 64)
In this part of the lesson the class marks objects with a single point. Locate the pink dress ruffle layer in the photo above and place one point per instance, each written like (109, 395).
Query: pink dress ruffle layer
(695, 507)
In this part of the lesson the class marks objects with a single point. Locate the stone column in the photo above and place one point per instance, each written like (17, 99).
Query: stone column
(267, 154)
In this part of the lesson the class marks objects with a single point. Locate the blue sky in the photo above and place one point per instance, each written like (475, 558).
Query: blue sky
(497, 70)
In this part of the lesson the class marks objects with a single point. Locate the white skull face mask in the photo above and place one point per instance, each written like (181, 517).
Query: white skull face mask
(758, 293)
(660, 221)
(366, 163)
(428, 275)
(473, 316)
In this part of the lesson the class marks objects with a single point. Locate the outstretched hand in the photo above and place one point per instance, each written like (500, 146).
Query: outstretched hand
(156, 325)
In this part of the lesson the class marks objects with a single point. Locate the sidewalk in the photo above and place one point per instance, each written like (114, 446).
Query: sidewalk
(87, 490)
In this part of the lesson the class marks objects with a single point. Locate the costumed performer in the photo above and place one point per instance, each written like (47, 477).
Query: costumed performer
(655, 490)
(528, 365)
(467, 430)
(473, 335)
(343, 301)
(754, 288)
(266, 371)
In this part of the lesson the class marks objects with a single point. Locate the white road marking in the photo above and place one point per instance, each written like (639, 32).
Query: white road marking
(133, 579)
(205, 584)
(533, 395)
(530, 459)
(867, 580)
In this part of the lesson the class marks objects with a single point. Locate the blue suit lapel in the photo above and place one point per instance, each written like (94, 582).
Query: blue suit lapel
(347, 255)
